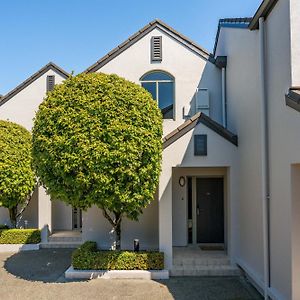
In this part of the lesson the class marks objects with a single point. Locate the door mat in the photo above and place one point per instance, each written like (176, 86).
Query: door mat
(212, 247)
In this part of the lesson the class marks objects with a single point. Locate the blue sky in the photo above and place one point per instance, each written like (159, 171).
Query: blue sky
(76, 33)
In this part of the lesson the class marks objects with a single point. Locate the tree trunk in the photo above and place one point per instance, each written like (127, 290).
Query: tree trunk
(13, 216)
(117, 228)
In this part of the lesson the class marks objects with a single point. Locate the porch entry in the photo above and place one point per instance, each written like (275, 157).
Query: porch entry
(76, 218)
(205, 210)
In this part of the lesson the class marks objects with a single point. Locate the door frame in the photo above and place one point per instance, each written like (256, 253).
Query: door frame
(194, 207)
(79, 219)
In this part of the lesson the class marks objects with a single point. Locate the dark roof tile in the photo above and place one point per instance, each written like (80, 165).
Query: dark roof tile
(32, 78)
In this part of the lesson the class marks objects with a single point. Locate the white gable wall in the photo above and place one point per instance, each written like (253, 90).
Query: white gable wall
(189, 69)
(22, 107)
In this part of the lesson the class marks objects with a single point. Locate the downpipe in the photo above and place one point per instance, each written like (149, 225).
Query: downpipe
(265, 159)
(224, 119)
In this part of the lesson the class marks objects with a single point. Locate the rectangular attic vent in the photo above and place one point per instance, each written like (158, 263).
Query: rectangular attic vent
(50, 82)
(156, 48)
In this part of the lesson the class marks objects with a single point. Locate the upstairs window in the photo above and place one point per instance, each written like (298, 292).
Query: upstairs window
(161, 86)
(50, 82)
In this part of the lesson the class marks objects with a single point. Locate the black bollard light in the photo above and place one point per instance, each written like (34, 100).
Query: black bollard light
(136, 245)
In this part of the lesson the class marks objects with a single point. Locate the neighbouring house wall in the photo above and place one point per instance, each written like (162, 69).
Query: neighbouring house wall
(61, 216)
(284, 124)
(295, 38)
(295, 177)
(189, 70)
(97, 228)
(180, 156)
(243, 113)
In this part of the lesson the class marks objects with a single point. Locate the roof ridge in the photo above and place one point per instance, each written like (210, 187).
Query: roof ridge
(137, 36)
(33, 77)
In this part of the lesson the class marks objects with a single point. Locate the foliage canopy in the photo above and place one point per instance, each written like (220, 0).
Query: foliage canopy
(17, 179)
(97, 140)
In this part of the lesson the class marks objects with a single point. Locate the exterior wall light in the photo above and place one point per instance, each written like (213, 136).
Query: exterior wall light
(182, 181)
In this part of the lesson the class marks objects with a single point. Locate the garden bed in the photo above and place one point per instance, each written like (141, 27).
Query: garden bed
(13, 240)
(88, 262)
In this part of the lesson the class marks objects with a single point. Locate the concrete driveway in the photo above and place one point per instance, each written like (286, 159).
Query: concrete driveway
(39, 275)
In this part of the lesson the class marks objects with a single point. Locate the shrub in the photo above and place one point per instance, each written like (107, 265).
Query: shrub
(17, 178)
(20, 236)
(97, 140)
(87, 257)
(2, 226)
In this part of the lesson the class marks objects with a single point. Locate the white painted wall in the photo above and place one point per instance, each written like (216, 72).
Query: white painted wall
(97, 228)
(22, 107)
(284, 145)
(180, 155)
(243, 112)
(61, 216)
(189, 69)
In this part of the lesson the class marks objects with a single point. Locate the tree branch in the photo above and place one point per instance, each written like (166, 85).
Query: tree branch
(107, 216)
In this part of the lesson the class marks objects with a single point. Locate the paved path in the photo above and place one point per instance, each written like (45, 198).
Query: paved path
(39, 275)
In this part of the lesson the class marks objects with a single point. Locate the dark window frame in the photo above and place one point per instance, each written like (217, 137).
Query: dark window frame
(170, 79)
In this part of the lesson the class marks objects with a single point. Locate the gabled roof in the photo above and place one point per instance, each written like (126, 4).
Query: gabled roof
(140, 34)
(231, 23)
(263, 11)
(292, 98)
(28, 81)
(192, 123)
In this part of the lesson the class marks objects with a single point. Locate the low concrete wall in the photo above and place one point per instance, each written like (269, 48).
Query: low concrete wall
(18, 247)
(71, 273)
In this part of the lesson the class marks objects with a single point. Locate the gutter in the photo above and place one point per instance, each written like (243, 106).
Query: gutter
(263, 11)
(265, 159)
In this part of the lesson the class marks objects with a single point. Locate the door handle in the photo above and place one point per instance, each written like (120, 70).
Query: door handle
(199, 211)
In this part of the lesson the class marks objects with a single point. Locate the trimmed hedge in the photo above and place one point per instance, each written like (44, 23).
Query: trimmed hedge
(20, 236)
(87, 257)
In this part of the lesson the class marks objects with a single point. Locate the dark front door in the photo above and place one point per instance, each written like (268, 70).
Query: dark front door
(210, 210)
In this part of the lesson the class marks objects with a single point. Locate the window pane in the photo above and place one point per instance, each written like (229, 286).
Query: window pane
(151, 88)
(166, 98)
(157, 76)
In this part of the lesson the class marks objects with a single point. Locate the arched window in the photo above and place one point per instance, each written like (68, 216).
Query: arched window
(161, 87)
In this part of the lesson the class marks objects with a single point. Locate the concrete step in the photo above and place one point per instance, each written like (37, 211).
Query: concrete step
(65, 239)
(60, 245)
(216, 261)
(221, 270)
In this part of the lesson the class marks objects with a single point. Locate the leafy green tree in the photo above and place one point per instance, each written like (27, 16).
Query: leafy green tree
(17, 180)
(97, 140)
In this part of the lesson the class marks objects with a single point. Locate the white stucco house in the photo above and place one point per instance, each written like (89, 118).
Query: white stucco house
(231, 160)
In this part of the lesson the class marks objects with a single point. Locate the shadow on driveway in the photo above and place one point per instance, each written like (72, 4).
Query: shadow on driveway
(211, 288)
(46, 265)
